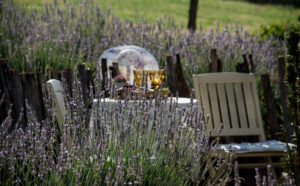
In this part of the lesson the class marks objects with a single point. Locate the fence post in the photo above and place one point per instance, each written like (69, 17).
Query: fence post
(283, 99)
(83, 82)
(220, 67)
(182, 86)
(213, 66)
(31, 93)
(216, 63)
(104, 75)
(114, 69)
(268, 99)
(17, 97)
(49, 73)
(90, 82)
(40, 81)
(243, 67)
(251, 63)
(4, 87)
(68, 76)
(171, 75)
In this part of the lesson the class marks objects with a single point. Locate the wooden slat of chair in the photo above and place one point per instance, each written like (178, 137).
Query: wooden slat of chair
(197, 93)
(232, 106)
(215, 112)
(241, 105)
(205, 101)
(250, 106)
(258, 165)
(223, 105)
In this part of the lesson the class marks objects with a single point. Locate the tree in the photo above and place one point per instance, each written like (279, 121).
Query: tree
(193, 14)
(1, 4)
(293, 79)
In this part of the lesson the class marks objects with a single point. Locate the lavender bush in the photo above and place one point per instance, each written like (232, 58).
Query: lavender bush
(131, 146)
(145, 143)
(64, 35)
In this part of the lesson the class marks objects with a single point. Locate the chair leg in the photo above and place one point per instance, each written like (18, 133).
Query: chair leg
(272, 169)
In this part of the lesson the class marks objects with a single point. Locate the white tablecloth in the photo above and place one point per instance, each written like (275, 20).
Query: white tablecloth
(181, 106)
(172, 104)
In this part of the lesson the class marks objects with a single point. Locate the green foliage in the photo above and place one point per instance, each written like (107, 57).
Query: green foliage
(293, 71)
(293, 67)
(278, 30)
(293, 79)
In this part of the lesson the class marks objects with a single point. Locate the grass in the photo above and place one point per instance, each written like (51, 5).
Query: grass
(209, 11)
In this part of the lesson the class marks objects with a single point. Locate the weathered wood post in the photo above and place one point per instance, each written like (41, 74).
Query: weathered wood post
(31, 93)
(115, 69)
(220, 67)
(182, 86)
(40, 81)
(49, 73)
(271, 111)
(67, 75)
(17, 98)
(83, 82)
(104, 75)
(90, 82)
(246, 64)
(283, 100)
(170, 71)
(213, 66)
(243, 67)
(251, 63)
(216, 63)
(4, 87)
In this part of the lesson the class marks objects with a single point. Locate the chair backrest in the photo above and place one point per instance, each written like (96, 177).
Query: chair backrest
(60, 110)
(230, 98)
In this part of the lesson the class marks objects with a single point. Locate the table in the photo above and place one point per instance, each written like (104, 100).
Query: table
(105, 111)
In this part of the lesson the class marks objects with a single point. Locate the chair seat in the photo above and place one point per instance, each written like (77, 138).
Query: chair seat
(267, 146)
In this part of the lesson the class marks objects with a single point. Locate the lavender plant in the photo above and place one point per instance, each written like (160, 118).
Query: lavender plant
(147, 143)
(64, 35)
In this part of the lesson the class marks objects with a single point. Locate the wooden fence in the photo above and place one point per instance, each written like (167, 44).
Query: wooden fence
(17, 87)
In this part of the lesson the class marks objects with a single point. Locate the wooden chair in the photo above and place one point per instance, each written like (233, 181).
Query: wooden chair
(231, 99)
(55, 87)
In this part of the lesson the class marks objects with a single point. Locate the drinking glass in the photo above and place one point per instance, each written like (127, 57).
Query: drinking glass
(156, 77)
(138, 76)
(162, 74)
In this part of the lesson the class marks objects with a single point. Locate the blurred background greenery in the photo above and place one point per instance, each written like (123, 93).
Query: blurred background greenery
(210, 12)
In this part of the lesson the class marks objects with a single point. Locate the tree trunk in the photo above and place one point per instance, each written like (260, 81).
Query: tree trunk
(1, 6)
(193, 14)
